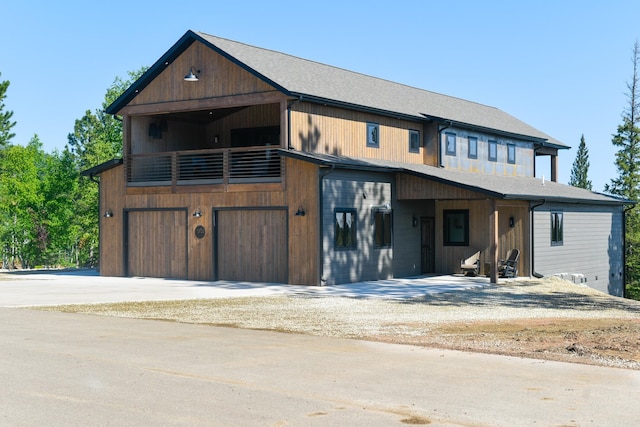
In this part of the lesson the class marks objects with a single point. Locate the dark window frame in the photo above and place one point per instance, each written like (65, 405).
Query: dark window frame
(511, 153)
(373, 135)
(557, 228)
(414, 148)
(382, 228)
(450, 146)
(473, 142)
(344, 239)
(457, 218)
(493, 143)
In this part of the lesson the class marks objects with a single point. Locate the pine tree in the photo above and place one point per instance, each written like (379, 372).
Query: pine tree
(580, 169)
(627, 184)
(5, 116)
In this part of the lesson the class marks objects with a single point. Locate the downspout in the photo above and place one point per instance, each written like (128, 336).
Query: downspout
(323, 174)
(624, 250)
(440, 130)
(532, 246)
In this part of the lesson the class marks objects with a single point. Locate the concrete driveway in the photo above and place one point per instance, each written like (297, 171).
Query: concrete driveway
(60, 369)
(86, 286)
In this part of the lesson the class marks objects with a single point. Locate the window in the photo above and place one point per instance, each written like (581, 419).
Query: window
(493, 151)
(451, 144)
(414, 141)
(456, 228)
(511, 153)
(556, 229)
(382, 227)
(473, 147)
(345, 228)
(373, 135)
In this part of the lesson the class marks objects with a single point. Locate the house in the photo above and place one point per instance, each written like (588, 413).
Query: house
(242, 163)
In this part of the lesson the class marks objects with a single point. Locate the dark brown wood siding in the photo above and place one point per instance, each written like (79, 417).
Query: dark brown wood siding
(331, 130)
(252, 245)
(157, 243)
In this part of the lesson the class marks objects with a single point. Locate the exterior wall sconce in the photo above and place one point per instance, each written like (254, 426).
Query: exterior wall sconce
(197, 213)
(192, 76)
(108, 213)
(414, 221)
(300, 212)
(512, 222)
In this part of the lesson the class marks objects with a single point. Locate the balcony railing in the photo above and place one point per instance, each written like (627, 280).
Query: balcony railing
(205, 167)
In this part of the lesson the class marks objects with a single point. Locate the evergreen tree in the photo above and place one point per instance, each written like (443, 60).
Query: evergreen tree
(627, 184)
(5, 116)
(580, 169)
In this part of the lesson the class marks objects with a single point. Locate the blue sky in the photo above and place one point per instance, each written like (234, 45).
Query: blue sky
(561, 66)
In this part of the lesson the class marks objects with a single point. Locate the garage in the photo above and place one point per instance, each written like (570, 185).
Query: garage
(251, 244)
(156, 243)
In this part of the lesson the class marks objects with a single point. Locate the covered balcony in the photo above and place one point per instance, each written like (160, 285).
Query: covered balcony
(212, 147)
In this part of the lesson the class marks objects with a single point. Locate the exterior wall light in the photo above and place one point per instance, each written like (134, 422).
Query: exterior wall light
(192, 76)
(300, 212)
(108, 213)
(197, 213)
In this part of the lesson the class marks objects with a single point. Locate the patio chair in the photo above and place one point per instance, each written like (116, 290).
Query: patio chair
(509, 267)
(471, 265)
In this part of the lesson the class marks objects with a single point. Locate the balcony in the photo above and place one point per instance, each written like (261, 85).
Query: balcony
(205, 167)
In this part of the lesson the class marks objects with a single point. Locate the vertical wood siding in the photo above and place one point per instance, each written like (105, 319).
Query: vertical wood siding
(517, 237)
(157, 243)
(330, 130)
(252, 245)
(111, 231)
(218, 77)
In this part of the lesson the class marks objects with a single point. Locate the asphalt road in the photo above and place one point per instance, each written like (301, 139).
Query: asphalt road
(61, 369)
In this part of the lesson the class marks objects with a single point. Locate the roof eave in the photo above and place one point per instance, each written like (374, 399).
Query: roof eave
(102, 167)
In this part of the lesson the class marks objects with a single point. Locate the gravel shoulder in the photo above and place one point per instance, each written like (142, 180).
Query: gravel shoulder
(546, 319)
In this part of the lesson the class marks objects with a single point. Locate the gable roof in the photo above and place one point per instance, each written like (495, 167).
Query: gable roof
(497, 186)
(316, 82)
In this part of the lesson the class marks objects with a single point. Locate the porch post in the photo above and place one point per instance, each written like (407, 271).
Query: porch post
(493, 241)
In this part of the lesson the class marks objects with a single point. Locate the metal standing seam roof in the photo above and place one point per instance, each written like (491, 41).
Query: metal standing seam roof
(324, 83)
(498, 186)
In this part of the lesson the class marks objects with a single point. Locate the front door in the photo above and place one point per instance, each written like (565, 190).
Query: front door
(427, 245)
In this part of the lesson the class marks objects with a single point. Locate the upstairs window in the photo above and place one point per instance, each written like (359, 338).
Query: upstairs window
(456, 227)
(493, 151)
(556, 229)
(373, 135)
(414, 141)
(511, 153)
(345, 229)
(473, 147)
(382, 227)
(451, 144)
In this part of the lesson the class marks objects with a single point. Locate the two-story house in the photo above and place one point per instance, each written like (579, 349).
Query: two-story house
(242, 163)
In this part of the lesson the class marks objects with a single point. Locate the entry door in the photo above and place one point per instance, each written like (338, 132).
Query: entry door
(251, 245)
(427, 244)
(157, 243)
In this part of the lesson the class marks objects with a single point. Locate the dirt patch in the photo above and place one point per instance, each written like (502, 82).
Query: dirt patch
(611, 342)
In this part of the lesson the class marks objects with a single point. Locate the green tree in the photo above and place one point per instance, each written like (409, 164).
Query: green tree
(627, 184)
(580, 169)
(21, 203)
(5, 116)
(96, 138)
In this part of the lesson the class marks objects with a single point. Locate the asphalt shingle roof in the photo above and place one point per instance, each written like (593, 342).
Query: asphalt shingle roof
(320, 82)
(498, 186)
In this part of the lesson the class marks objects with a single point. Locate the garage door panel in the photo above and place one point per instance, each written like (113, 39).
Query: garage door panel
(157, 243)
(252, 245)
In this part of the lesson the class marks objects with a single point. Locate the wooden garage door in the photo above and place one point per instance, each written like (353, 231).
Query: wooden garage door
(252, 245)
(157, 243)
